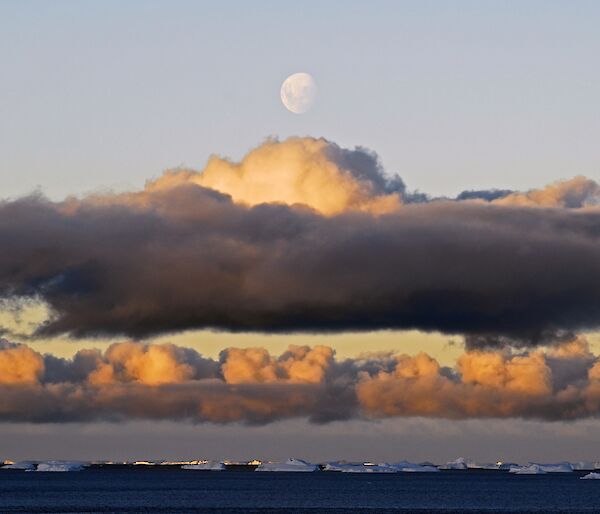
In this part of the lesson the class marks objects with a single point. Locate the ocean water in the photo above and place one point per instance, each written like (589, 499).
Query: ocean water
(173, 490)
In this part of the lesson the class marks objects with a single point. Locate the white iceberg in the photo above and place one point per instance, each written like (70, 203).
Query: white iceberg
(591, 476)
(60, 465)
(409, 467)
(25, 465)
(207, 465)
(533, 469)
(293, 465)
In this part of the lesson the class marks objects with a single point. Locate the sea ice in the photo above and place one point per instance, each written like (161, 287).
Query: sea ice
(295, 465)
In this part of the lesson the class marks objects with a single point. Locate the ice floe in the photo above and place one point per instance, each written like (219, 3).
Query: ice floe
(294, 465)
(591, 476)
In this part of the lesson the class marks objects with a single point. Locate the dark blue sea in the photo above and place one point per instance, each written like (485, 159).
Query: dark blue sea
(173, 490)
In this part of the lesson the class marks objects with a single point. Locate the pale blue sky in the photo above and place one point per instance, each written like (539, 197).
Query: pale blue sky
(452, 95)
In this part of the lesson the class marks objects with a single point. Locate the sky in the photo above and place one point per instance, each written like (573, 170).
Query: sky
(173, 229)
(452, 95)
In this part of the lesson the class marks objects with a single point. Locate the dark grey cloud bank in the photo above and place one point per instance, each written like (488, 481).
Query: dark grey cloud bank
(185, 256)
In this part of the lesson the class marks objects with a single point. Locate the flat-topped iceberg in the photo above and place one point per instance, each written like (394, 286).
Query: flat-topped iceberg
(60, 465)
(560, 467)
(591, 476)
(410, 467)
(533, 469)
(24, 465)
(294, 465)
(208, 465)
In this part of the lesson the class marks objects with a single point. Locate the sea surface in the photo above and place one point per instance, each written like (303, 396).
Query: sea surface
(173, 490)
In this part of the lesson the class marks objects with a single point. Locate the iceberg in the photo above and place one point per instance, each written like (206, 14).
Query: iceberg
(409, 467)
(561, 467)
(25, 465)
(505, 466)
(294, 465)
(584, 466)
(460, 463)
(60, 465)
(464, 463)
(370, 468)
(485, 465)
(207, 465)
(349, 467)
(338, 466)
(533, 469)
(591, 476)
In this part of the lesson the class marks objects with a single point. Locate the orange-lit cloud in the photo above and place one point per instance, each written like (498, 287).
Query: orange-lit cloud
(306, 171)
(252, 386)
(576, 193)
(19, 364)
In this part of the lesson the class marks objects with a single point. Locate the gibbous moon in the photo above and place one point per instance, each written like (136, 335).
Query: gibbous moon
(298, 92)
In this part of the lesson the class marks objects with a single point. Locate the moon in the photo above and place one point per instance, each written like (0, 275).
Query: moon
(298, 92)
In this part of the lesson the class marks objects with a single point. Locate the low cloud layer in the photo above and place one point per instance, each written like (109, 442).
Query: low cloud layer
(251, 386)
(303, 235)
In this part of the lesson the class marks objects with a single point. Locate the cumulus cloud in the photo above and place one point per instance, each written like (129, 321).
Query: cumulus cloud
(307, 171)
(256, 365)
(202, 250)
(570, 194)
(19, 364)
(253, 386)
